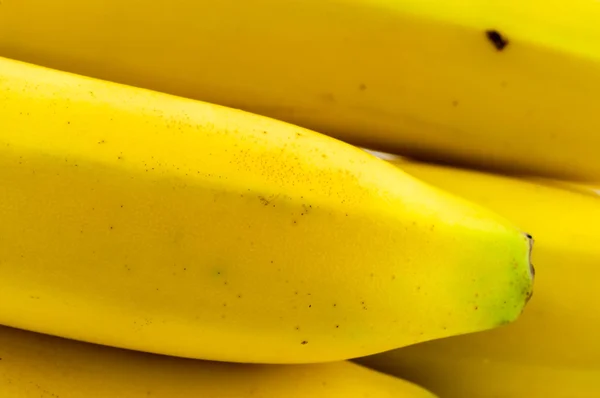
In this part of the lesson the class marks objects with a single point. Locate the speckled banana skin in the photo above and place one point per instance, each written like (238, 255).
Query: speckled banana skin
(140, 220)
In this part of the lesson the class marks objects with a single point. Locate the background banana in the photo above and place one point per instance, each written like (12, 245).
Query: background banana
(506, 84)
(555, 343)
(141, 220)
(33, 366)
(444, 368)
(588, 189)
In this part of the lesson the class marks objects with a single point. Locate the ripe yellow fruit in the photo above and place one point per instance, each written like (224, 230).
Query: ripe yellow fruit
(554, 346)
(588, 189)
(504, 84)
(451, 373)
(34, 366)
(145, 221)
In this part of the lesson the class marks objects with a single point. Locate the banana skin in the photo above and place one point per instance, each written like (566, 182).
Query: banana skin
(507, 85)
(553, 350)
(140, 220)
(460, 375)
(34, 365)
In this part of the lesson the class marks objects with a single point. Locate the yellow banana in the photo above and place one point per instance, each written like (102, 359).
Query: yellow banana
(33, 366)
(452, 374)
(141, 220)
(505, 84)
(588, 189)
(557, 337)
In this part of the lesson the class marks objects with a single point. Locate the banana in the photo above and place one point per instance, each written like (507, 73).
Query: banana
(458, 375)
(495, 84)
(141, 220)
(555, 342)
(588, 189)
(34, 366)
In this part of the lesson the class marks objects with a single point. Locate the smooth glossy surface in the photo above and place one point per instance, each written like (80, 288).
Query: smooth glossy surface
(145, 221)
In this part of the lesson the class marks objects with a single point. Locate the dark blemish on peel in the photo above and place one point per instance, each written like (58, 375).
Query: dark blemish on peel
(334, 304)
(239, 296)
(297, 328)
(310, 306)
(362, 87)
(327, 97)
(304, 342)
(455, 103)
(337, 326)
(101, 142)
(497, 39)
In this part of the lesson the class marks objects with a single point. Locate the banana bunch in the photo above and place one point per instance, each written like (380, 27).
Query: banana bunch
(553, 350)
(190, 179)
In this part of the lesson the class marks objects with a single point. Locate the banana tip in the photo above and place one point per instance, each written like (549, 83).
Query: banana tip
(530, 242)
(531, 267)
